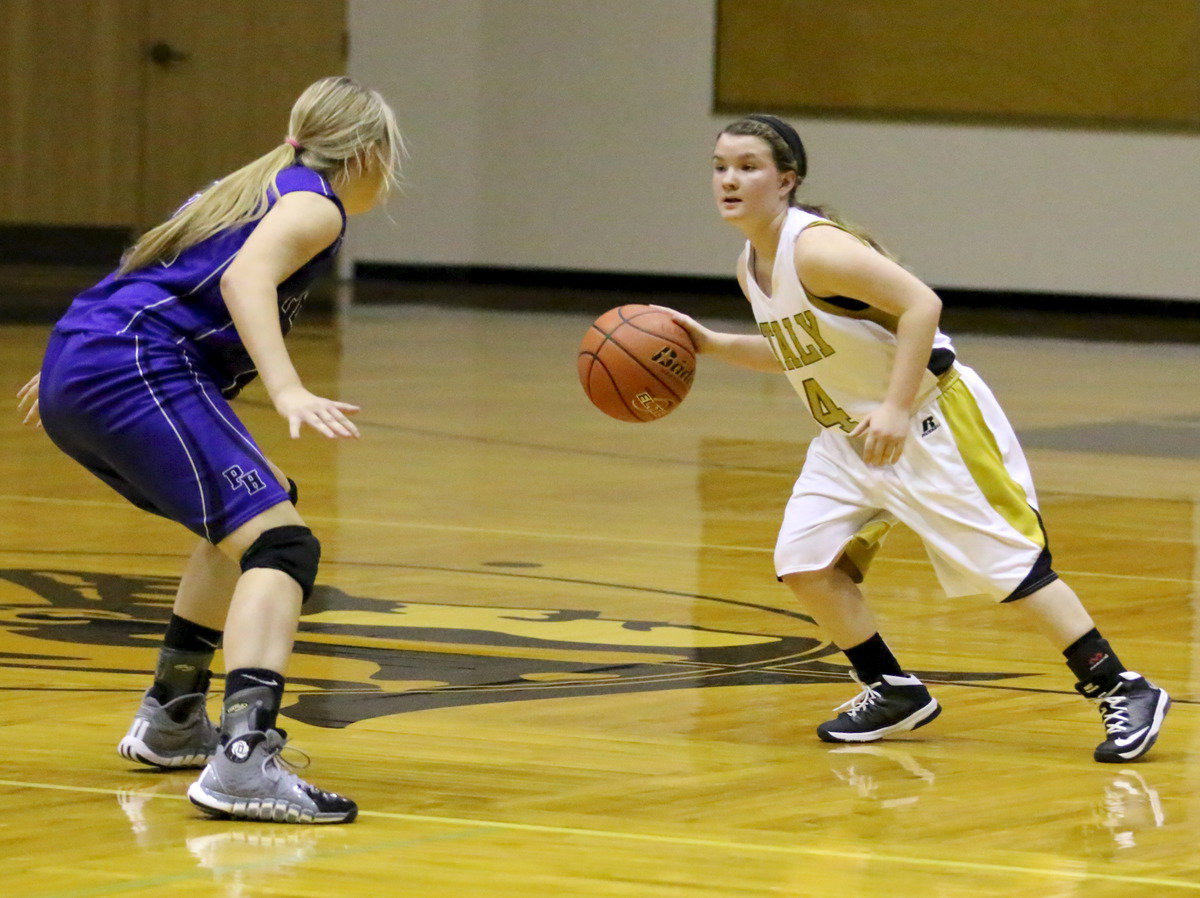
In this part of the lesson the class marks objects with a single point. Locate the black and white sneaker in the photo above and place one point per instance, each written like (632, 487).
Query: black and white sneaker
(894, 704)
(1132, 712)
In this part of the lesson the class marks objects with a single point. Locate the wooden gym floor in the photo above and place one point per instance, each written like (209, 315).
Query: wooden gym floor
(549, 658)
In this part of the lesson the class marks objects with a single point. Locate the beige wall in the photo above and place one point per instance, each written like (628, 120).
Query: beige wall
(562, 133)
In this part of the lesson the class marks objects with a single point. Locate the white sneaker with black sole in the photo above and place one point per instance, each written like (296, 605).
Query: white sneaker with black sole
(893, 704)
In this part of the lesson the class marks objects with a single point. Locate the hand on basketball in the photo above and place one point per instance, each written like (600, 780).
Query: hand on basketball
(326, 416)
(884, 429)
(701, 336)
(27, 401)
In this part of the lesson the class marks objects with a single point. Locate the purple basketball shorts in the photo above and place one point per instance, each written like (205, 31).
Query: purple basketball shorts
(142, 415)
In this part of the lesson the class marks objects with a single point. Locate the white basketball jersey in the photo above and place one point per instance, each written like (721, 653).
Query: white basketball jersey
(838, 359)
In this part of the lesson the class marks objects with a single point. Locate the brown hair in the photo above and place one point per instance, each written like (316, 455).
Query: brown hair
(785, 160)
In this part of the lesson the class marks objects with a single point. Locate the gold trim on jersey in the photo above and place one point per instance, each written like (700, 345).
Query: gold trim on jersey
(981, 454)
(870, 313)
(862, 547)
(947, 378)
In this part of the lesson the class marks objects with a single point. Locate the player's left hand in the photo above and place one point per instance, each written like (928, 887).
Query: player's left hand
(884, 429)
(27, 401)
(326, 416)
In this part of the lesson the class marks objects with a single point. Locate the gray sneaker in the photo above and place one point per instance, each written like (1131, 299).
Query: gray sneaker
(247, 780)
(177, 734)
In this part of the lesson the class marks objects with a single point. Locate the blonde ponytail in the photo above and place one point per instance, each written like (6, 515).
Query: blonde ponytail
(337, 128)
(236, 198)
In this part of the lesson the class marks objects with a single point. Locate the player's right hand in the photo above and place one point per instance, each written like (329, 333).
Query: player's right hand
(700, 335)
(326, 416)
(27, 401)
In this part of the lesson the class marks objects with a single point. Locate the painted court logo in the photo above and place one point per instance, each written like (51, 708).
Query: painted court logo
(501, 638)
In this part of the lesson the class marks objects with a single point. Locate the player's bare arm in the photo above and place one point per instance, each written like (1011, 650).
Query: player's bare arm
(743, 350)
(831, 262)
(297, 228)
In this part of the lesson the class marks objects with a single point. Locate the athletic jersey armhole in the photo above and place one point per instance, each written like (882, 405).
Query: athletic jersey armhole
(837, 302)
(301, 179)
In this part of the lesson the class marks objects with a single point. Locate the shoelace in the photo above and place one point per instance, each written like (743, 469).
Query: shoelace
(860, 702)
(294, 764)
(1115, 714)
(290, 767)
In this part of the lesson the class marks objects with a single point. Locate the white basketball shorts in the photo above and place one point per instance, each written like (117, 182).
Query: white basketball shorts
(962, 484)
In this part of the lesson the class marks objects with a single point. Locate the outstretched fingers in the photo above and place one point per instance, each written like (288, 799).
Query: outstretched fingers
(329, 420)
(27, 402)
(334, 419)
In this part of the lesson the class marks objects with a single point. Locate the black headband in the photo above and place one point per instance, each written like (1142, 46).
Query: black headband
(790, 137)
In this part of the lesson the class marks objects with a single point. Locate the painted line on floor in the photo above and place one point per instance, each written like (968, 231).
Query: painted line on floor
(463, 824)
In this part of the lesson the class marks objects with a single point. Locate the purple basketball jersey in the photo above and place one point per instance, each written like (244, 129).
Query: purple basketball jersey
(181, 300)
(137, 373)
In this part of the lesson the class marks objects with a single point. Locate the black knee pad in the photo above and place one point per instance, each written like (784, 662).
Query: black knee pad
(293, 550)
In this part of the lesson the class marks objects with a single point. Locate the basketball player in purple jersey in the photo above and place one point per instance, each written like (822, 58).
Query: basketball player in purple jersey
(134, 387)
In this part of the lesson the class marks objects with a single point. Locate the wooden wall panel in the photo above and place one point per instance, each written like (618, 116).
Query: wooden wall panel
(1101, 63)
(69, 111)
(95, 133)
(227, 101)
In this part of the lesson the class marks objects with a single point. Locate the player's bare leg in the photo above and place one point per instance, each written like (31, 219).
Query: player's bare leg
(206, 587)
(1131, 707)
(891, 701)
(836, 603)
(171, 727)
(1055, 612)
(246, 779)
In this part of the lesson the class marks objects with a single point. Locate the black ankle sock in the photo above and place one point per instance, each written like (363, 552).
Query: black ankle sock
(1094, 663)
(252, 699)
(188, 636)
(872, 659)
(184, 660)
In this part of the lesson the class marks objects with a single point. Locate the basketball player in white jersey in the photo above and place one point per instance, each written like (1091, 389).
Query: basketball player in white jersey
(909, 434)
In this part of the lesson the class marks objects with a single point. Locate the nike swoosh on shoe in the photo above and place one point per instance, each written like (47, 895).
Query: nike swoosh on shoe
(1130, 739)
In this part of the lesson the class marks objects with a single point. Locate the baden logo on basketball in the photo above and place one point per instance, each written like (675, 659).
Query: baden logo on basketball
(636, 363)
(669, 359)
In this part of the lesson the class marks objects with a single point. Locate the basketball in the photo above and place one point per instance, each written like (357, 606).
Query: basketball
(636, 364)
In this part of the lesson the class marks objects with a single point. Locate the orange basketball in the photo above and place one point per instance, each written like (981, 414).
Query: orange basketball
(636, 364)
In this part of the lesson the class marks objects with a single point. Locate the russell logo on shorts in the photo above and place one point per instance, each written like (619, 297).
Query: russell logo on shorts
(929, 425)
